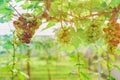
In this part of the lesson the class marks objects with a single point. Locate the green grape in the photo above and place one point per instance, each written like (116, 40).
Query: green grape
(93, 32)
(16, 40)
(64, 35)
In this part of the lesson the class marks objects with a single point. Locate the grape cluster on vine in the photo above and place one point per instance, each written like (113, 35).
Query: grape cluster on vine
(63, 35)
(93, 32)
(112, 36)
(25, 27)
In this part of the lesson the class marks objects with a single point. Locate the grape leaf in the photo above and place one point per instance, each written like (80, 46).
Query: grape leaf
(6, 18)
(115, 3)
(111, 78)
(85, 76)
(50, 24)
(3, 1)
(3, 52)
(28, 5)
(17, 0)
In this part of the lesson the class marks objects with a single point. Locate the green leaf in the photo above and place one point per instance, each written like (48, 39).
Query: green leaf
(117, 66)
(117, 51)
(78, 36)
(20, 56)
(1, 20)
(115, 3)
(68, 48)
(112, 57)
(85, 76)
(17, 0)
(6, 13)
(22, 75)
(38, 10)
(5, 68)
(72, 5)
(111, 78)
(6, 18)
(5, 9)
(3, 1)
(2, 52)
(30, 5)
(8, 8)
(50, 24)
(103, 5)
(7, 45)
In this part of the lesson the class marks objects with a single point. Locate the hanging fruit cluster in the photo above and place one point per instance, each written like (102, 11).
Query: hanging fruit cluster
(25, 27)
(112, 36)
(93, 32)
(64, 35)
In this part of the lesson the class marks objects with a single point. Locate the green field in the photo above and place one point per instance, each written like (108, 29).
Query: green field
(58, 70)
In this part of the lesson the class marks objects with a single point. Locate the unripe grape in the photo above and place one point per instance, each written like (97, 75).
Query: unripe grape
(64, 35)
(93, 32)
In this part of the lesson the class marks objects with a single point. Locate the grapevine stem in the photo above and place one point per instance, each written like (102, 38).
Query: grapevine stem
(108, 66)
(99, 65)
(99, 70)
(78, 62)
(114, 16)
(89, 65)
(15, 10)
(48, 4)
(61, 16)
(114, 10)
(13, 65)
(90, 7)
(28, 62)
(78, 18)
(48, 70)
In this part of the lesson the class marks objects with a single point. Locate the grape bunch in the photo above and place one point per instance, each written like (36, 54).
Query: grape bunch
(112, 36)
(25, 27)
(93, 32)
(64, 35)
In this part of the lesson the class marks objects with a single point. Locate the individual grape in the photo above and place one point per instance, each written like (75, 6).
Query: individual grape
(27, 35)
(20, 19)
(34, 24)
(15, 23)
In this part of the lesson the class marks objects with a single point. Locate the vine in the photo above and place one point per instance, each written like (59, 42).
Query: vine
(13, 60)
(28, 62)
